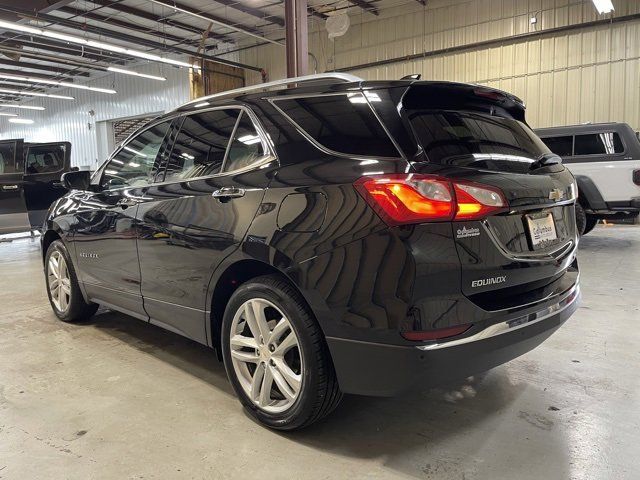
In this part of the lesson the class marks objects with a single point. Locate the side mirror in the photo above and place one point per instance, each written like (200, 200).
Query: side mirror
(78, 180)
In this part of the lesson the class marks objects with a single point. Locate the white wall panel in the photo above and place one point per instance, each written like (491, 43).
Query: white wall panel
(584, 75)
(71, 121)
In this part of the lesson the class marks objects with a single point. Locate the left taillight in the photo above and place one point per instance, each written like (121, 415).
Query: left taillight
(415, 198)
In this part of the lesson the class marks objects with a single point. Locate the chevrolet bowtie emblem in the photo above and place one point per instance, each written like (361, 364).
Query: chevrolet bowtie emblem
(556, 194)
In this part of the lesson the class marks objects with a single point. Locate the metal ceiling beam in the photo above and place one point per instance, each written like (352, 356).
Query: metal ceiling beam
(129, 26)
(154, 18)
(366, 6)
(130, 39)
(19, 53)
(57, 78)
(208, 17)
(44, 68)
(60, 47)
(254, 12)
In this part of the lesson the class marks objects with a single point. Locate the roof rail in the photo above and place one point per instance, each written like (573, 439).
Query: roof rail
(341, 77)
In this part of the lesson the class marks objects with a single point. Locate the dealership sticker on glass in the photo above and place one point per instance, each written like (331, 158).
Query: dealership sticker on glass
(542, 229)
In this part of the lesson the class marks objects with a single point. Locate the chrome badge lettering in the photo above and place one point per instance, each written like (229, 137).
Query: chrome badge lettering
(465, 232)
(488, 281)
(89, 255)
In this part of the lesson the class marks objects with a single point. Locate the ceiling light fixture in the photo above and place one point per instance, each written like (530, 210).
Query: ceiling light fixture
(211, 20)
(42, 32)
(34, 94)
(4, 114)
(603, 6)
(56, 82)
(25, 121)
(23, 107)
(136, 74)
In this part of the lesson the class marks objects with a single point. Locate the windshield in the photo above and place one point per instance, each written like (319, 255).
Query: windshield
(468, 139)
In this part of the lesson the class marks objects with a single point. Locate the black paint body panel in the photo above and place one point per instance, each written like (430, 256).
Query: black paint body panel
(164, 257)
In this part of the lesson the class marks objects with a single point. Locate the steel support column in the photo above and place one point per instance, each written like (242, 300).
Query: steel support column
(297, 38)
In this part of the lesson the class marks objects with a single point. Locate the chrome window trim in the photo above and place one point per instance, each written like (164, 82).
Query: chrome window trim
(318, 145)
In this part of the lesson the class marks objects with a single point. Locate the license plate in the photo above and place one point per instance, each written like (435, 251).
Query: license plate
(542, 229)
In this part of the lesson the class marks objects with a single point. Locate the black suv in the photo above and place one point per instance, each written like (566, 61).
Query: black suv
(328, 235)
(30, 182)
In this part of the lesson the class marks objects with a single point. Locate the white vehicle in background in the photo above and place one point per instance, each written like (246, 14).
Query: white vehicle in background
(605, 159)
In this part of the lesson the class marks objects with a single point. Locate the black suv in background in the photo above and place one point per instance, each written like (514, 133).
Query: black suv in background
(328, 235)
(30, 182)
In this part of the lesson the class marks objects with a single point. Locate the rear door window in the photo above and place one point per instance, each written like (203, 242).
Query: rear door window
(606, 143)
(200, 146)
(344, 124)
(477, 140)
(562, 146)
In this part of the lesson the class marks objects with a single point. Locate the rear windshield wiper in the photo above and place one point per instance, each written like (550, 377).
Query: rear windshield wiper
(545, 160)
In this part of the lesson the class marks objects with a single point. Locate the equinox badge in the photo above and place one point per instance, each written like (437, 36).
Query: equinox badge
(488, 281)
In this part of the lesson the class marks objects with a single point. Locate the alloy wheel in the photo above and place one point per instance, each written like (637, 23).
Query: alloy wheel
(59, 281)
(266, 356)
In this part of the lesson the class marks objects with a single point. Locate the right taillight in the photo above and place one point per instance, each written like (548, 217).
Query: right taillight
(636, 177)
(415, 198)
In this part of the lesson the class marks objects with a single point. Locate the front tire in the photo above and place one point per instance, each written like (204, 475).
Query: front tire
(276, 357)
(590, 224)
(63, 290)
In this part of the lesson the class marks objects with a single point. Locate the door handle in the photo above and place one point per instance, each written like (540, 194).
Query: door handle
(227, 193)
(9, 187)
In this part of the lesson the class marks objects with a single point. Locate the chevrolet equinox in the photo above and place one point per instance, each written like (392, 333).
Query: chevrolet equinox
(327, 235)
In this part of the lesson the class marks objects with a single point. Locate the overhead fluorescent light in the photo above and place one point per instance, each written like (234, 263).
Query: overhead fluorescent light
(34, 94)
(249, 139)
(603, 6)
(25, 121)
(43, 32)
(23, 107)
(56, 82)
(4, 114)
(136, 74)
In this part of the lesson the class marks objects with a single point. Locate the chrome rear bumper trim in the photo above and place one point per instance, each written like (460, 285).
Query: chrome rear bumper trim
(510, 325)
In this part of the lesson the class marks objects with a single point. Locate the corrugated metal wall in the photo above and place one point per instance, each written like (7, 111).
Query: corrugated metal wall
(71, 121)
(586, 75)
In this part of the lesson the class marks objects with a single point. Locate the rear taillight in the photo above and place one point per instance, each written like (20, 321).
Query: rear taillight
(636, 177)
(401, 199)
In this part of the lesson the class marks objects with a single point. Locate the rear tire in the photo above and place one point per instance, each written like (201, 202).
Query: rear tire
(590, 224)
(63, 289)
(581, 220)
(253, 359)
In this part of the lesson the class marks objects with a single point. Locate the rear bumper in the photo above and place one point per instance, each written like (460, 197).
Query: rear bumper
(384, 370)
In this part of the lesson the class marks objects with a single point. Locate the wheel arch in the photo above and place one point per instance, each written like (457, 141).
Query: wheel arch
(589, 195)
(233, 274)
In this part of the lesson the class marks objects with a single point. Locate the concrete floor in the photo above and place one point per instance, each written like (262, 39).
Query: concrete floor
(117, 398)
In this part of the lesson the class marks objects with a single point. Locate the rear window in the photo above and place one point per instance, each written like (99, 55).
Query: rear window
(477, 140)
(341, 123)
(606, 143)
(562, 146)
